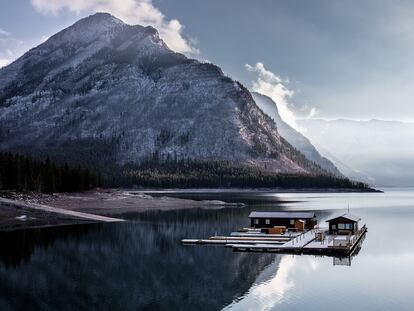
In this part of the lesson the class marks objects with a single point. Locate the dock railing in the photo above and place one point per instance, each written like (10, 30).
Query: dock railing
(349, 240)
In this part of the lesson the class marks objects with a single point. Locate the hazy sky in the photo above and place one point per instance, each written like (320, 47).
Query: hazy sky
(329, 59)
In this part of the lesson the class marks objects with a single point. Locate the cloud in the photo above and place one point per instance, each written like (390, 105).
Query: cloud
(4, 32)
(142, 12)
(270, 84)
(308, 112)
(10, 48)
(44, 38)
(270, 293)
(4, 62)
(312, 113)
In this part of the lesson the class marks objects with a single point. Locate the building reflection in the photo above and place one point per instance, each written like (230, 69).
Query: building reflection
(275, 283)
(347, 260)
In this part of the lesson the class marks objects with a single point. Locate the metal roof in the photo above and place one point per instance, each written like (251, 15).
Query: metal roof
(298, 215)
(347, 216)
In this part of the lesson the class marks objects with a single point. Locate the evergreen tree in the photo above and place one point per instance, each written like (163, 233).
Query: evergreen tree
(23, 173)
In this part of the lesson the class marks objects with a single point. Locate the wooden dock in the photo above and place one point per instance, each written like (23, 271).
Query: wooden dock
(228, 242)
(250, 238)
(304, 243)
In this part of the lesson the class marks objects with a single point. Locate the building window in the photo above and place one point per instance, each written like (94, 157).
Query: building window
(348, 226)
(341, 226)
(292, 221)
(267, 221)
(333, 227)
(256, 221)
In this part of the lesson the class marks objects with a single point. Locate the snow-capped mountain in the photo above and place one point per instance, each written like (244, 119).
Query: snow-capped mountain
(295, 138)
(102, 91)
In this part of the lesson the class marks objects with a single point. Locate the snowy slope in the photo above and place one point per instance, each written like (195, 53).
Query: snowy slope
(295, 138)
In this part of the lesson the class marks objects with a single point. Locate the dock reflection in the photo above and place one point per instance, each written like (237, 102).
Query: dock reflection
(347, 260)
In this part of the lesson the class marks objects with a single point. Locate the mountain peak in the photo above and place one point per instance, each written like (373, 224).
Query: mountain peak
(100, 29)
(270, 102)
(100, 17)
(89, 29)
(104, 84)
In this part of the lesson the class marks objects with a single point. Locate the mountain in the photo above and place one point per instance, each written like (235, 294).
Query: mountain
(379, 152)
(102, 92)
(295, 138)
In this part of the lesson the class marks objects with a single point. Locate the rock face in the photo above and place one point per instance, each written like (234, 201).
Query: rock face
(295, 138)
(104, 92)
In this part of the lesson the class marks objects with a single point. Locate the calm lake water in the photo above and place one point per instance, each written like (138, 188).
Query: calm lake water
(140, 265)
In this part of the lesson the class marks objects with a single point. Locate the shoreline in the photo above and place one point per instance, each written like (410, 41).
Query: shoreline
(273, 190)
(33, 210)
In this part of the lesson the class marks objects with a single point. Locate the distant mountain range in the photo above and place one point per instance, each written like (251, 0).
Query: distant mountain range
(376, 151)
(103, 92)
(295, 138)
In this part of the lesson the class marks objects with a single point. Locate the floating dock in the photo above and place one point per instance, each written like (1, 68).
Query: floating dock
(308, 242)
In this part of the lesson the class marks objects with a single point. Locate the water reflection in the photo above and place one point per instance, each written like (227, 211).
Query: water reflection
(18, 246)
(347, 260)
(141, 264)
(136, 265)
(269, 289)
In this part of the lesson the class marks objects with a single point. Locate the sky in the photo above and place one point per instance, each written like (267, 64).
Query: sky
(318, 59)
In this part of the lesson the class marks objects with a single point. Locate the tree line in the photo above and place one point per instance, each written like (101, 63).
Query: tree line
(210, 174)
(24, 173)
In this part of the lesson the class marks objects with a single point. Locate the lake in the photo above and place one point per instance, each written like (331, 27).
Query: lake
(141, 265)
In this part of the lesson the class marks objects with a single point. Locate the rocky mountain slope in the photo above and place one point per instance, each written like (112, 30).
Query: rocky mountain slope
(295, 138)
(103, 92)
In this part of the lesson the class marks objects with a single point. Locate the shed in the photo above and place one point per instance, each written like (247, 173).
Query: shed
(305, 220)
(300, 225)
(343, 225)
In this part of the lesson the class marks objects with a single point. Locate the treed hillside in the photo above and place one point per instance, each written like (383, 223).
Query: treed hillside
(23, 173)
(208, 174)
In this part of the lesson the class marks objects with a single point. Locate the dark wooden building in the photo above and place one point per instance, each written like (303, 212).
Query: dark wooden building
(288, 219)
(345, 224)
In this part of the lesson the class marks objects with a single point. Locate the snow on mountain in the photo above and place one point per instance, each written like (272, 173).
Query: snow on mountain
(295, 138)
(105, 92)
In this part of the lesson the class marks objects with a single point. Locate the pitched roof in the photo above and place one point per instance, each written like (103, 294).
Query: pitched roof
(298, 215)
(347, 216)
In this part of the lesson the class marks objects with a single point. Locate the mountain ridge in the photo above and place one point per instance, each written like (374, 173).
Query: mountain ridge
(102, 91)
(295, 138)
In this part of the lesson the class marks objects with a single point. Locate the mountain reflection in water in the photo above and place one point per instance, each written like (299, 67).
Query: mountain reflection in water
(141, 265)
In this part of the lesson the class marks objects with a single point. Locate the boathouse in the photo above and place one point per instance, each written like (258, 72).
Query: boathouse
(292, 220)
(345, 224)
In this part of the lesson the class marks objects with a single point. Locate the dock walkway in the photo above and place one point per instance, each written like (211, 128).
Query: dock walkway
(296, 244)
(300, 241)
(304, 243)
